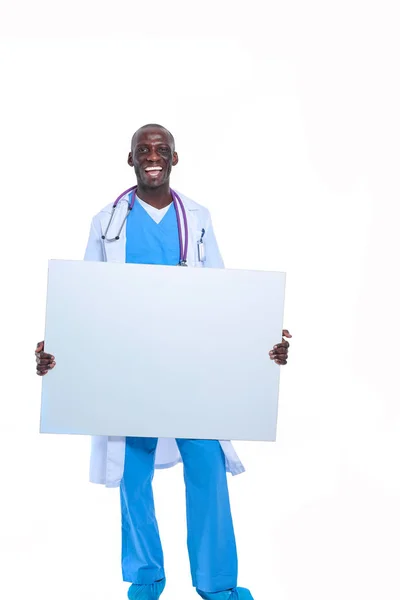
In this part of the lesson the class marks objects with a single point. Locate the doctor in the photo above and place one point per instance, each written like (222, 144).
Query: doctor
(151, 224)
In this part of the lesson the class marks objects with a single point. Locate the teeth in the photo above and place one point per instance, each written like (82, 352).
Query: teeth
(153, 169)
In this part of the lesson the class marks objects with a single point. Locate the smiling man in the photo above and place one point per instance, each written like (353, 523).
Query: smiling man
(152, 224)
(153, 170)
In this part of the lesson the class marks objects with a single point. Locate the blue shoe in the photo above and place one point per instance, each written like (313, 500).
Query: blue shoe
(151, 591)
(235, 594)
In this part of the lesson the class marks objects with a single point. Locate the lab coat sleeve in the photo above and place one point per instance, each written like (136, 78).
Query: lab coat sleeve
(94, 248)
(213, 256)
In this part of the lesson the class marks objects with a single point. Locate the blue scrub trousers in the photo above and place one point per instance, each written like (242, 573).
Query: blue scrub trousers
(211, 540)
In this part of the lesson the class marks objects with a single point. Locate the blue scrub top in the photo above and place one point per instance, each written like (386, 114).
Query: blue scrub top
(151, 243)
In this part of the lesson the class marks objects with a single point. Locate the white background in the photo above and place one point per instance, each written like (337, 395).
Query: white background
(286, 118)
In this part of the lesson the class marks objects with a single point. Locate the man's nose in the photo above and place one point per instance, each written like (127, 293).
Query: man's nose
(153, 156)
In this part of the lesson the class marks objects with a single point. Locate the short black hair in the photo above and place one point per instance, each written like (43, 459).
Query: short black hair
(159, 127)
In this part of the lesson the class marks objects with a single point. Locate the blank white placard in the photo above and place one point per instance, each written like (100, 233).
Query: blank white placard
(156, 351)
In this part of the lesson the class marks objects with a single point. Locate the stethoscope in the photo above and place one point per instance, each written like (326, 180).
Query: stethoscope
(180, 215)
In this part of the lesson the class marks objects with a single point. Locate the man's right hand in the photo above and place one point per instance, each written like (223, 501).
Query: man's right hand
(44, 362)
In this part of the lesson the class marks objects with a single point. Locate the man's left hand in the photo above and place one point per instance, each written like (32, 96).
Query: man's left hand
(279, 353)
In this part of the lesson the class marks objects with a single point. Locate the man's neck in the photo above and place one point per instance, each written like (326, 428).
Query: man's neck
(158, 198)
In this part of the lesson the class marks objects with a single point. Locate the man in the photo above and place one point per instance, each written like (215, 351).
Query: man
(151, 233)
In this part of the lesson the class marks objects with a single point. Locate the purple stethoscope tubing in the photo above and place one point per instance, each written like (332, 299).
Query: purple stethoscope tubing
(179, 208)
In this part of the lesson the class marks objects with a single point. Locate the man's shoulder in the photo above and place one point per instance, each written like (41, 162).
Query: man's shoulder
(104, 212)
(107, 209)
(190, 204)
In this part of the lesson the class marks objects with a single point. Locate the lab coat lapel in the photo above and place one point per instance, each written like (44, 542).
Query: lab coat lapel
(193, 226)
(115, 251)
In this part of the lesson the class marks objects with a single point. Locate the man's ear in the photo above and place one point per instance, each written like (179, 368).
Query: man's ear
(130, 159)
(175, 159)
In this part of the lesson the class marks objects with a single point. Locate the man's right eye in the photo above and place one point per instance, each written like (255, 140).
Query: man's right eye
(142, 149)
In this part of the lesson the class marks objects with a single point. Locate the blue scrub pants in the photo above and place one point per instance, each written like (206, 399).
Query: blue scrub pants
(211, 540)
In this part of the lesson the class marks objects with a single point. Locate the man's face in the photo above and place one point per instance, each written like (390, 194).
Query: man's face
(152, 157)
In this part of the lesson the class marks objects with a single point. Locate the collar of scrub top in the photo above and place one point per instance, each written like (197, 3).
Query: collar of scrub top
(180, 217)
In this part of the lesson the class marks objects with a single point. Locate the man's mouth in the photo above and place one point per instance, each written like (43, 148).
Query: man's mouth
(153, 171)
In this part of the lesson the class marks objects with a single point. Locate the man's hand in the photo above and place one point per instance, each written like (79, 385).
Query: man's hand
(279, 353)
(44, 362)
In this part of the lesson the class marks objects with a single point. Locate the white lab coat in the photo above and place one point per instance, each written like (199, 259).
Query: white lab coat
(108, 453)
